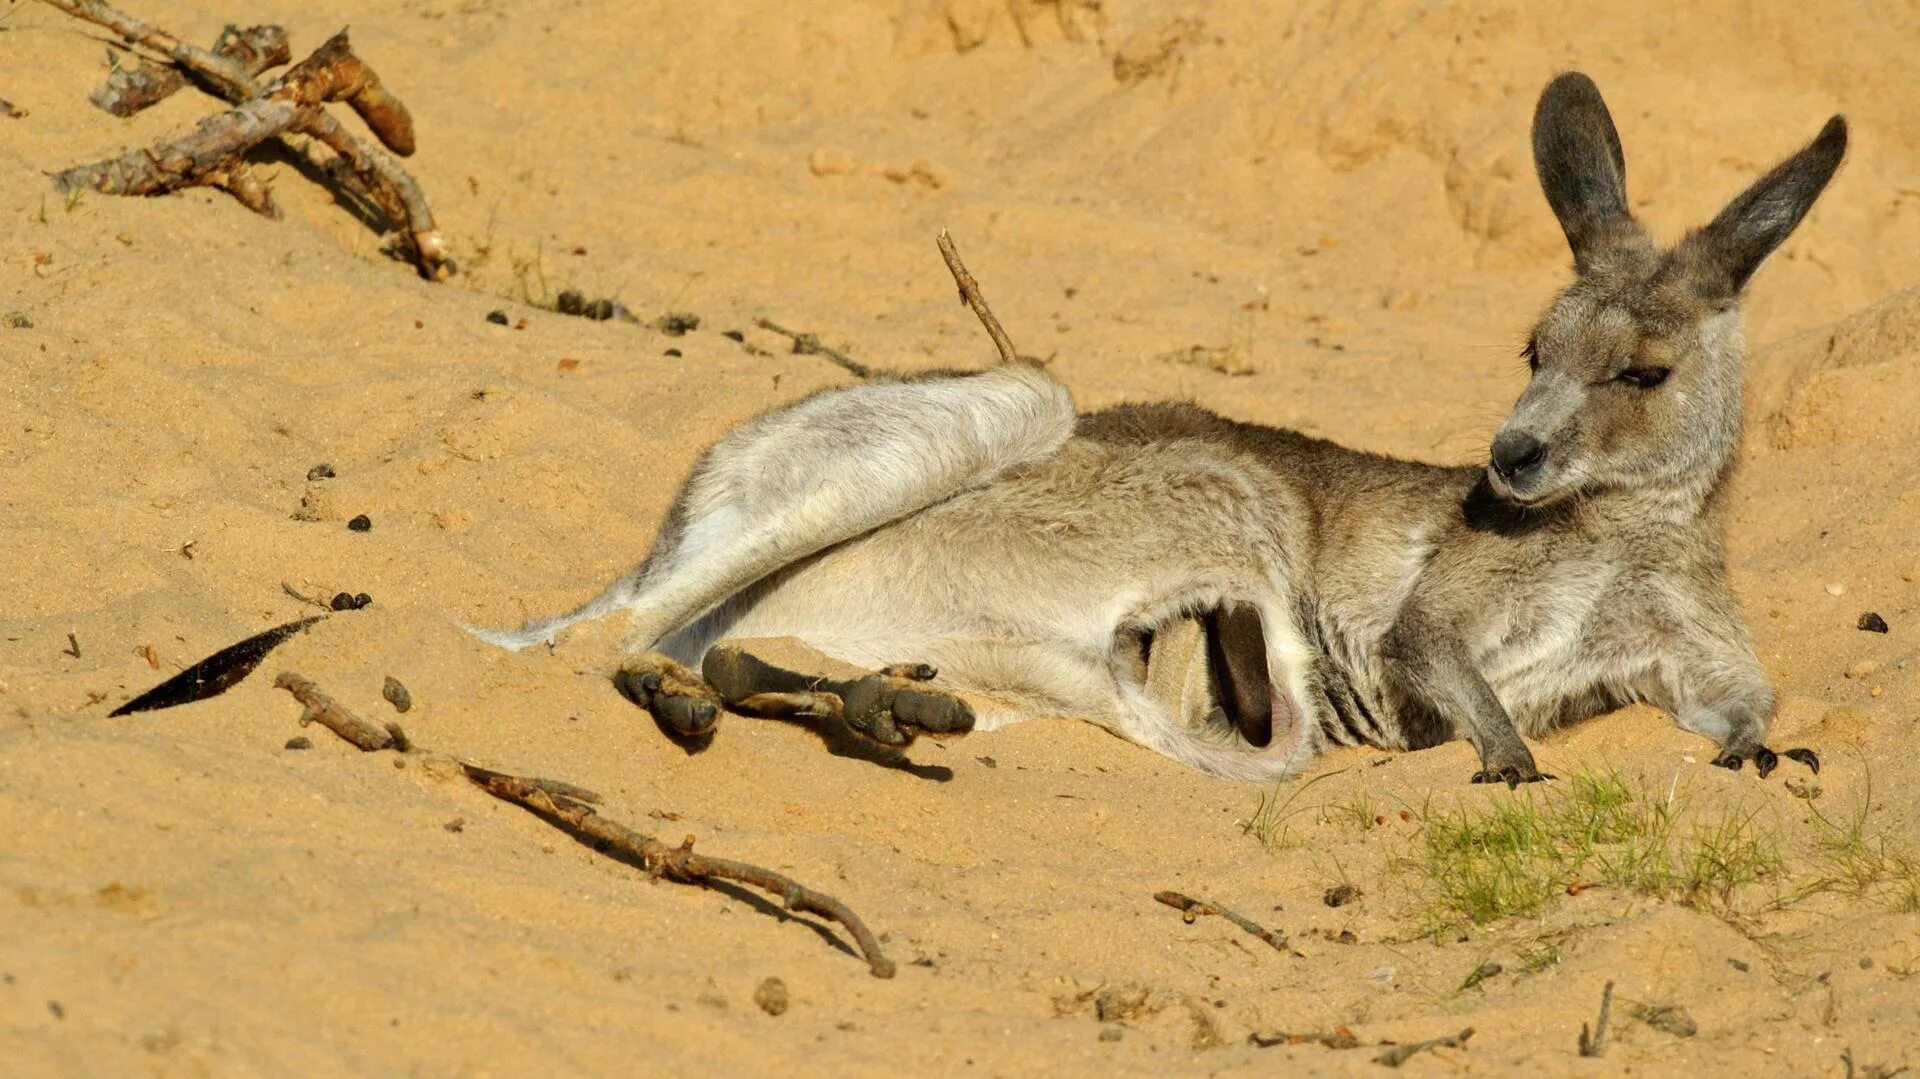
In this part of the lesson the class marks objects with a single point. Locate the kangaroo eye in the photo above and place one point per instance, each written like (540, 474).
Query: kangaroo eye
(1531, 354)
(1644, 378)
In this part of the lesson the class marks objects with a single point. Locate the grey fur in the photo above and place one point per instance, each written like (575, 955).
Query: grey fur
(1130, 566)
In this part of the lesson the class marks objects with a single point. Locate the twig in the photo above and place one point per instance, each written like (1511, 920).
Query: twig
(130, 89)
(1400, 1054)
(1595, 1043)
(970, 294)
(567, 805)
(1192, 908)
(296, 594)
(73, 644)
(806, 344)
(330, 714)
(680, 863)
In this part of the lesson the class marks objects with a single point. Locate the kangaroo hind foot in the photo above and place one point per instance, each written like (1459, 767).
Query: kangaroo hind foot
(782, 676)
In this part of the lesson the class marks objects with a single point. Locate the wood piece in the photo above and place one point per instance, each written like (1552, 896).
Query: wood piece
(1192, 908)
(332, 715)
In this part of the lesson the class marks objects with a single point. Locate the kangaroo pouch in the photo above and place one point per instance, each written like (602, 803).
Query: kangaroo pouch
(1209, 671)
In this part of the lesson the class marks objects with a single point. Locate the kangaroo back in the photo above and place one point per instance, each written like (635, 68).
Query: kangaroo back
(818, 472)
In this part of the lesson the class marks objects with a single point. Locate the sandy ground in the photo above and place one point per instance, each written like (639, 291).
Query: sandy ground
(1338, 201)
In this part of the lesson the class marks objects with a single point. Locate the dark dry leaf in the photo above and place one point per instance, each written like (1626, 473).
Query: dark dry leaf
(215, 674)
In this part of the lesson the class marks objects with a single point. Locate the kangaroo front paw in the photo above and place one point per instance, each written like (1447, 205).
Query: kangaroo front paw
(1511, 775)
(679, 699)
(1765, 760)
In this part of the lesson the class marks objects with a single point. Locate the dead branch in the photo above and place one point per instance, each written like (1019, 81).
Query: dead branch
(1191, 908)
(130, 89)
(970, 294)
(568, 805)
(1595, 1043)
(291, 105)
(680, 863)
(806, 344)
(330, 714)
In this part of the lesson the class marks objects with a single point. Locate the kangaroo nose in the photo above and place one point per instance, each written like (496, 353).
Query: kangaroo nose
(1515, 452)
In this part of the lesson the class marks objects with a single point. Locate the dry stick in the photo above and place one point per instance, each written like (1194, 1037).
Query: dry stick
(1400, 1054)
(806, 344)
(130, 89)
(1596, 1044)
(970, 294)
(680, 863)
(1192, 907)
(567, 804)
(327, 712)
(374, 177)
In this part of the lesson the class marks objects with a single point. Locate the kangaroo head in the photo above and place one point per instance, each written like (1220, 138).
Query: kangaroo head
(1637, 365)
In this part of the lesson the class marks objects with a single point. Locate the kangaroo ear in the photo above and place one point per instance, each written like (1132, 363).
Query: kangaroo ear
(1728, 250)
(1577, 153)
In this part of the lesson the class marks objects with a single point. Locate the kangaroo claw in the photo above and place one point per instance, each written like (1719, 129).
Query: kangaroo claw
(1510, 775)
(1766, 760)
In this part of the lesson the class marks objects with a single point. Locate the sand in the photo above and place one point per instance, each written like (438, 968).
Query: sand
(1334, 205)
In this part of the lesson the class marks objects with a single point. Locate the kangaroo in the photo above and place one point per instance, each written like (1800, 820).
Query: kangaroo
(1239, 597)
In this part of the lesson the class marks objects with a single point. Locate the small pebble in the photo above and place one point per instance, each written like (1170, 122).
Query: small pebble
(362, 523)
(498, 318)
(772, 996)
(342, 601)
(320, 472)
(459, 824)
(1835, 588)
(1862, 669)
(1866, 962)
(1739, 965)
(1110, 1034)
(570, 302)
(676, 323)
(1871, 622)
(299, 741)
(396, 694)
(362, 600)
(734, 335)
(674, 352)
(1340, 895)
(599, 310)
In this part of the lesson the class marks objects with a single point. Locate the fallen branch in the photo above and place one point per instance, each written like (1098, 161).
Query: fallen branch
(567, 805)
(806, 344)
(970, 295)
(1192, 908)
(680, 863)
(212, 154)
